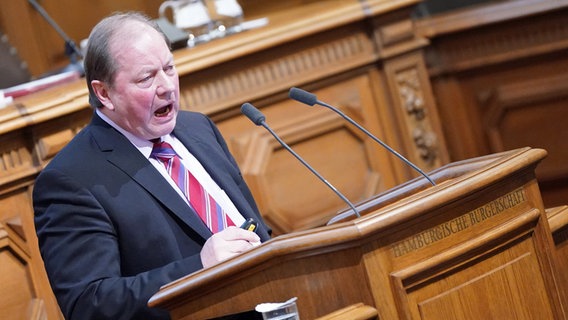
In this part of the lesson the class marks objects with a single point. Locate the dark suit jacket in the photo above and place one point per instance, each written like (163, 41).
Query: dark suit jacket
(111, 230)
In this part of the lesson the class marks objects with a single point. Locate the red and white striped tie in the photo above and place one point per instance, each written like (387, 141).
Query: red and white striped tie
(206, 207)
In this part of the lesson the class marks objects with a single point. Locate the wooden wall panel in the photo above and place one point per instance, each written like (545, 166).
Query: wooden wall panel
(23, 294)
(23, 153)
(558, 219)
(17, 289)
(415, 109)
(338, 151)
(500, 83)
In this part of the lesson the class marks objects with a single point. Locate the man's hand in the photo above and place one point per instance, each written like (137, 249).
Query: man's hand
(227, 243)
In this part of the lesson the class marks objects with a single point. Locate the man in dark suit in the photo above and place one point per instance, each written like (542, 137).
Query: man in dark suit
(112, 225)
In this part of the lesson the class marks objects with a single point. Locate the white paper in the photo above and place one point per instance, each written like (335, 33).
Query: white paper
(191, 15)
(253, 24)
(229, 8)
(267, 307)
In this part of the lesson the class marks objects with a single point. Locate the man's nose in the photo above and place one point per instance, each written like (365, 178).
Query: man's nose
(165, 83)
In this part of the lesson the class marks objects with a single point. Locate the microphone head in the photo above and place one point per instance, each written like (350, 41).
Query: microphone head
(302, 96)
(253, 113)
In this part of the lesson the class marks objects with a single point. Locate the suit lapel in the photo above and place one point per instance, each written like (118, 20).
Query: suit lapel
(124, 155)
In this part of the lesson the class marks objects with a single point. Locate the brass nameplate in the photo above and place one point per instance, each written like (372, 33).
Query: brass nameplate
(467, 220)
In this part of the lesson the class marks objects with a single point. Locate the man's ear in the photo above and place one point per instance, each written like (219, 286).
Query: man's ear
(101, 90)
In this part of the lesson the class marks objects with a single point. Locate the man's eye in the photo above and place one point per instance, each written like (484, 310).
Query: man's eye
(146, 79)
(170, 69)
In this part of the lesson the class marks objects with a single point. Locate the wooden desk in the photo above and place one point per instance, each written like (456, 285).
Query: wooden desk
(476, 246)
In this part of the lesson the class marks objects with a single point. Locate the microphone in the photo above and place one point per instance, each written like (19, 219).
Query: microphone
(311, 99)
(71, 49)
(260, 120)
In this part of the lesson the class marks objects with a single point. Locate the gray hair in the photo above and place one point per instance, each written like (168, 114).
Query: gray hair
(99, 63)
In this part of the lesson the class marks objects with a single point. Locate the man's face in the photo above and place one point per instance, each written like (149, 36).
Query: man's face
(144, 98)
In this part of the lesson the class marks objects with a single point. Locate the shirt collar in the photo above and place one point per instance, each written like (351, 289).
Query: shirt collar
(143, 145)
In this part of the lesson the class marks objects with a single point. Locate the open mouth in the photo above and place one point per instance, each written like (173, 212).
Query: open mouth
(163, 111)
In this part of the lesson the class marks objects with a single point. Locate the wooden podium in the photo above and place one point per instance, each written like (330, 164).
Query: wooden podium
(475, 246)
